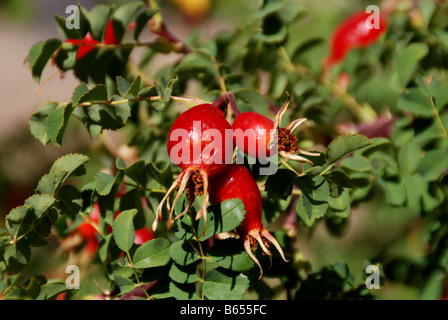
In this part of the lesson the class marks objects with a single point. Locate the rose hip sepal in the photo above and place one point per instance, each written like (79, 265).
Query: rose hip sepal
(197, 143)
(263, 137)
(238, 183)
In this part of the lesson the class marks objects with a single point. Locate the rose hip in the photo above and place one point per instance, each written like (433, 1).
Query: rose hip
(197, 143)
(237, 182)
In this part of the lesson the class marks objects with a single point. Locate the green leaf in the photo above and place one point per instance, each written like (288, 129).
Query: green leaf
(104, 247)
(39, 203)
(315, 196)
(249, 98)
(123, 86)
(97, 93)
(69, 163)
(163, 177)
(124, 284)
(34, 286)
(153, 253)
(38, 63)
(409, 157)
(287, 10)
(344, 145)
(427, 7)
(34, 52)
(133, 200)
(415, 187)
(433, 164)
(409, 59)
(183, 253)
(221, 284)
(50, 182)
(433, 288)
(104, 183)
(15, 219)
(184, 291)
(62, 168)
(99, 114)
(164, 87)
(127, 89)
(280, 184)
(195, 64)
(230, 254)
(79, 92)
(125, 13)
(141, 21)
(38, 121)
(57, 122)
(97, 19)
(136, 171)
(395, 191)
(224, 217)
(18, 255)
(441, 96)
(51, 290)
(356, 163)
(417, 102)
(123, 230)
(341, 205)
(66, 33)
(134, 88)
(377, 144)
(184, 274)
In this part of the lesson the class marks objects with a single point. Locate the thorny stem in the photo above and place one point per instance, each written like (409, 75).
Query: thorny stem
(223, 88)
(201, 250)
(158, 27)
(144, 188)
(153, 98)
(439, 121)
(139, 283)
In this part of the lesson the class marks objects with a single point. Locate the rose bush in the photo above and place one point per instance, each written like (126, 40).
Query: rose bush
(368, 188)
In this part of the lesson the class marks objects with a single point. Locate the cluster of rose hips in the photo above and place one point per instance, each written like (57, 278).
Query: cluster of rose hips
(210, 173)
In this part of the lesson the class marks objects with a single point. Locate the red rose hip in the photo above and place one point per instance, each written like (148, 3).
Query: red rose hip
(237, 183)
(199, 142)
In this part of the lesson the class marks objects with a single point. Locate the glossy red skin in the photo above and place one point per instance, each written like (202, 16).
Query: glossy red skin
(210, 117)
(353, 33)
(143, 235)
(238, 183)
(109, 36)
(259, 140)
